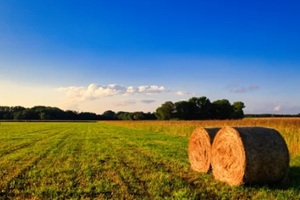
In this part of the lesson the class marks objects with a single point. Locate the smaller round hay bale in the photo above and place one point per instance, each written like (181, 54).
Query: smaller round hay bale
(200, 148)
(249, 155)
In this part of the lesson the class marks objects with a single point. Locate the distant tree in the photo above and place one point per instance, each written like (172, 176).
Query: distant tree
(3, 111)
(222, 109)
(202, 107)
(87, 116)
(17, 109)
(17, 115)
(71, 115)
(43, 113)
(109, 115)
(54, 113)
(193, 109)
(135, 116)
(139, 116)
(7, 115)
(238, 112)
(124, 115)
(165, 111)
(26, 114)
(150, 116)
(39, 108)
(184, 110)
(30, 114)
(44, 116)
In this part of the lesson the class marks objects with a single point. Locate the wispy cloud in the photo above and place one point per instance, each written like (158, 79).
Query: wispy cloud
(147, 101)
(182, 93)
(126, 103)
(286, 108)
(277, 108)
(243, 89)
(132, 102)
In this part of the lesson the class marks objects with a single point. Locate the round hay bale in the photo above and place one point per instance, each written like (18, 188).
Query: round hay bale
(249, 155)
(200, 148)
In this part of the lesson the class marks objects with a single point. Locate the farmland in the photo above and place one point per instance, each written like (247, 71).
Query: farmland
(124, 160)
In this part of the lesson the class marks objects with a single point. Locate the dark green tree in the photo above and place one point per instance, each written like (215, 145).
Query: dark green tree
(184, 110)
(124, 115)
(139, 116)
(238, 112)
(87, 116)
(26, 114)
(222, 109)
(109, 115)
(17, 108)
(71, 115)
(165, 111)
(202, 107)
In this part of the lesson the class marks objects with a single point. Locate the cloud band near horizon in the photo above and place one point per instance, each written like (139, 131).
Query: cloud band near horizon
(95, 91)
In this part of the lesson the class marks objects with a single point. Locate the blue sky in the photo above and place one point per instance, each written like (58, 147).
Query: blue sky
(135, 55)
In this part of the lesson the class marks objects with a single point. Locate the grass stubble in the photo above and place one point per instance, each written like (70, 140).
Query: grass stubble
(124, 160)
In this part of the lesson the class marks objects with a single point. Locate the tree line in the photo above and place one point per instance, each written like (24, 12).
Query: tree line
(194, 109)
(54, 113)
(200, 109)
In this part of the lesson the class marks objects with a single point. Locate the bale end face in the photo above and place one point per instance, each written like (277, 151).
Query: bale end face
(199, 150)
(228, 157)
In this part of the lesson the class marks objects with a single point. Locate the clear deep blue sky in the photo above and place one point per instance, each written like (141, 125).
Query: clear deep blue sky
(135, 55)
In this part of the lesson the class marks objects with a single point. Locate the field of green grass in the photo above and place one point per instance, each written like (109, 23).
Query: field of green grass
(121, 160)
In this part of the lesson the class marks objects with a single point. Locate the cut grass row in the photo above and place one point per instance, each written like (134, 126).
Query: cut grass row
(110, 161)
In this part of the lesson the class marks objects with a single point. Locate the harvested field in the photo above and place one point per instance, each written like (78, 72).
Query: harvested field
(110, 160)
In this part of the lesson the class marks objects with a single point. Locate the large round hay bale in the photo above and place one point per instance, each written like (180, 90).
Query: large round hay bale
(249, 155)
(200, 148)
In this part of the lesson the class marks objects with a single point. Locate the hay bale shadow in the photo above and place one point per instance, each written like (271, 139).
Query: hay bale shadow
(294, 178)
(292, 181)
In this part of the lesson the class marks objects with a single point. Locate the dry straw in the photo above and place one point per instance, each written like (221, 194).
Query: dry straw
(200, 148)
(249, 155)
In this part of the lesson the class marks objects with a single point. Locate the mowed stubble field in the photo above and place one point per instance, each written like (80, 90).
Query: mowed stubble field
(124, 160)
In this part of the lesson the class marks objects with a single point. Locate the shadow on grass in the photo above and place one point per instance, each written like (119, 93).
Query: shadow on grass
(294, 178)
(291, 182)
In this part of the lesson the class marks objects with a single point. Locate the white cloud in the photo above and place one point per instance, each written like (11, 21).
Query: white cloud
(131, 90)
(153, 89)
(74, 95)
(93, 91)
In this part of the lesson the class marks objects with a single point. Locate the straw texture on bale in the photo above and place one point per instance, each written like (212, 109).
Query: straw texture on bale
(200, 148)
(249, 155)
